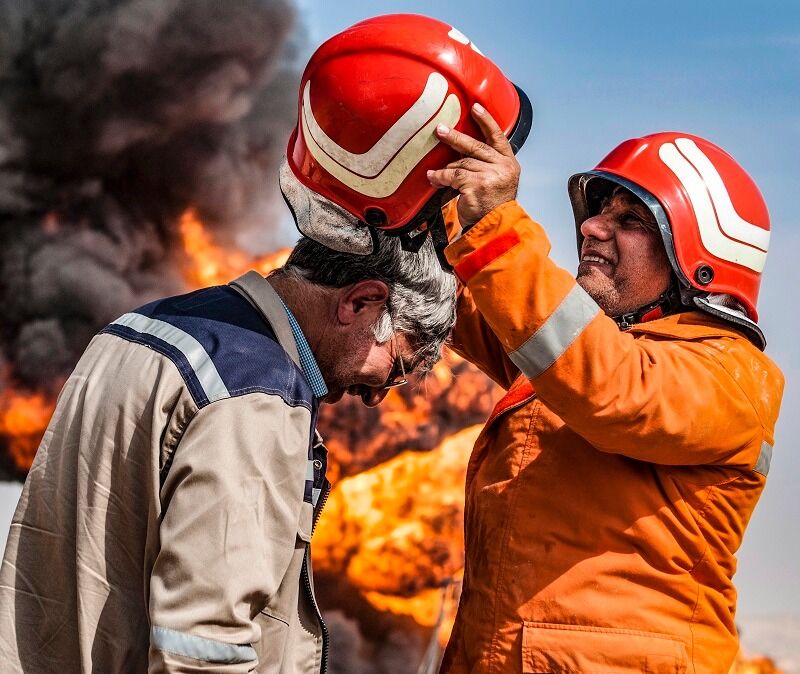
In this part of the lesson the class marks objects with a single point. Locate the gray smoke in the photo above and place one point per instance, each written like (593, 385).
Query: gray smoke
(115, 117)
(398, 652)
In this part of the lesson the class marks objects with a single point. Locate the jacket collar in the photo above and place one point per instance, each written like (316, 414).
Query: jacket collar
(308, 362)
(257, 290)
(687, 325)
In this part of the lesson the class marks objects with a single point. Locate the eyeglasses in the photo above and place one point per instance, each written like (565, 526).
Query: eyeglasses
(396, 378)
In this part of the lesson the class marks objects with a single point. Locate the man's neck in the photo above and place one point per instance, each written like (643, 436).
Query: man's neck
(310, 307)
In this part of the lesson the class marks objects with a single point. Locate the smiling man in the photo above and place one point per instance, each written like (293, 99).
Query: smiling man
(611, 487)
(623, 263)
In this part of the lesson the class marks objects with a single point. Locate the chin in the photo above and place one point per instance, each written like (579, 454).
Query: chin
(594, 283)
(333, 395)
(601, 290)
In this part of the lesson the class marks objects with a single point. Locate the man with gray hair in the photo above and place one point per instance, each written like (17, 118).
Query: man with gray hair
(165, 523)
(416, 297)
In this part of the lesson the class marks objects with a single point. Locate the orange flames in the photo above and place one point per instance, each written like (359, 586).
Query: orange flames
(395, 532)
(23, 419)
(209, 264)
(24, 414)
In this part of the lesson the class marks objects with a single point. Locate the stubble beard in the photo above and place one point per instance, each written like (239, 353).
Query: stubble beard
(602, 290)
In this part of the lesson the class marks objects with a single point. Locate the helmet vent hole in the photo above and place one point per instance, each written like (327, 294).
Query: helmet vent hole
(375, 217)
(704, 275)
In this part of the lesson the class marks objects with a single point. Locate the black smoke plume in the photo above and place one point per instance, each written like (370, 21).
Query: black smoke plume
(115, 117)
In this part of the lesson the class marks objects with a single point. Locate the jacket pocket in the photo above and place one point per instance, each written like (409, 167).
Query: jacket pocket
(549, 648)
(271, 648)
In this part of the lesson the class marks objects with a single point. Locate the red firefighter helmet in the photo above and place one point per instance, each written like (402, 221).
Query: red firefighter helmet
(712, 217)
(370, 100)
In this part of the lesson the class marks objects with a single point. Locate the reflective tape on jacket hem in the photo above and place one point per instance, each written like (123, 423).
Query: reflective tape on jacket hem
(199, 648)
(764, 459)
(554, 337)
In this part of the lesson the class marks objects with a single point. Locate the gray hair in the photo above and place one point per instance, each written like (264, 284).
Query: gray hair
(422, 296)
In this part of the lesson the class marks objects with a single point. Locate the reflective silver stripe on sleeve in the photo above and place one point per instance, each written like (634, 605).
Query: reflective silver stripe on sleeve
(198, 358)
(315, 496)
(546, 345)
(198, 648)
(764, 459)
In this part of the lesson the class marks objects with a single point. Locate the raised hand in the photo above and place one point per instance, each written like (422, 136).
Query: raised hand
(488, 173)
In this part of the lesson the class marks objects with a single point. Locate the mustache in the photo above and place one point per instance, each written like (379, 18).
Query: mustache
(598, 251)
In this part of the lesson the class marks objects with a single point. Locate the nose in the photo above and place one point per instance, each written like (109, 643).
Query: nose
(373, 396)
(600, 227)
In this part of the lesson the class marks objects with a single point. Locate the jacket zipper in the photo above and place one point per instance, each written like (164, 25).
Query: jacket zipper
(309, 589)
(325, 492)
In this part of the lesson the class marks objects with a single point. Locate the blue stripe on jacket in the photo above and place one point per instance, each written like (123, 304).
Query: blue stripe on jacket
(220, 344)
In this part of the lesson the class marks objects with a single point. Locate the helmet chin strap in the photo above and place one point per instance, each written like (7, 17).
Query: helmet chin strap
(428, 222)
(669, 302)
(678, 298)
(436, 229)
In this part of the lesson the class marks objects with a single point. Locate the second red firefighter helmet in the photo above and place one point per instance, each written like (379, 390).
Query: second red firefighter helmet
(370, 100)
(711, 215)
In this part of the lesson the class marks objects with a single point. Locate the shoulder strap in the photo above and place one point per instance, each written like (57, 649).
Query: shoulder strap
(258, 291)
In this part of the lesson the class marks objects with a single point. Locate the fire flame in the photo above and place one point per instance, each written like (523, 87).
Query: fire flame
(24, 414)
(209, 264)
(395, 533)
(23, 419)
(397, 529)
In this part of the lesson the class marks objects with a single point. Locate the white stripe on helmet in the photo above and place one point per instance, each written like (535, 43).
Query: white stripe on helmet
(723, 232)
(729, 220)
(458, 36)
(373, 161)
(410, 147)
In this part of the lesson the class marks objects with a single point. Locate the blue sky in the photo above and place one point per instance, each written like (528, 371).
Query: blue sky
(601, 72)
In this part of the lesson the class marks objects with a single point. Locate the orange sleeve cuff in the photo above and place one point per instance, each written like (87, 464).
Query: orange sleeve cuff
(491, 237)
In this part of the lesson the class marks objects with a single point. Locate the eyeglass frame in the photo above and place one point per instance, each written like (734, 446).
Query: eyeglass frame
(397, 359)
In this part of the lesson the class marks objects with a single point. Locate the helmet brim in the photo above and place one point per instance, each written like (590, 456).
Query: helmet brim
(522, 129)
(577, 187)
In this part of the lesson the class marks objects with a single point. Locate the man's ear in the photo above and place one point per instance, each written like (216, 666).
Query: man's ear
(364, 299)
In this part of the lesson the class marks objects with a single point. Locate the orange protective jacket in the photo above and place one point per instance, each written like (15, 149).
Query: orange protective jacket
(610, 489)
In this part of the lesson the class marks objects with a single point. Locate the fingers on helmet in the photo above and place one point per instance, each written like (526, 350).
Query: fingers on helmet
(456, 177)
(492, 132)
(465, 145)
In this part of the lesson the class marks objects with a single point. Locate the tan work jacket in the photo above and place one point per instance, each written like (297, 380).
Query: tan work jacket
(165, 523)
(609, 491)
